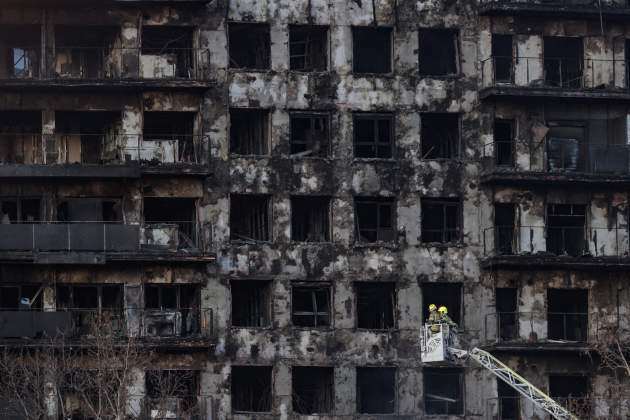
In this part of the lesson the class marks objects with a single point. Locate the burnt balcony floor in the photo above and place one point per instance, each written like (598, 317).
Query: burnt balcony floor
(511, 176)
(559, 9)
(550, 261)
(104, 84)
(525, 92)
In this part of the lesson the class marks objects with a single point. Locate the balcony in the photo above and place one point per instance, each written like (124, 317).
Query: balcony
(558, 160)
(84, 155)
(551, 77)
(600, 408)
(585, 9)
(98, 242)
(557, 246)
(107, 66)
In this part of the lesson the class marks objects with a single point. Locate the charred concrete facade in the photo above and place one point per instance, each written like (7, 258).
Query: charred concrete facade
(271, 193)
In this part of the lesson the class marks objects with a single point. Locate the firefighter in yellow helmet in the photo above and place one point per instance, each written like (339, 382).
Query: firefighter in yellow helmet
(434, 318)
(444, 318)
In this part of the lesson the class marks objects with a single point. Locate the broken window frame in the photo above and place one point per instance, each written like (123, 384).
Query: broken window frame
(309, 44)
(499, 144)
(313, 118)
(427, 374)
(262, 65)
(302, 375)
(236, 147)
(177, 289)
(445, 231)
(382, 233)
(449, 150)
(19, 201)
(315, 290)
(560, 323)
(386, 316)
(360, 371)
(576, 243)
(263, 222)
(316, 207)
(249, 381)
(376, 144)
(260, 306)
(388, 54)
(73, 288)
(21, 294)
(455, 36)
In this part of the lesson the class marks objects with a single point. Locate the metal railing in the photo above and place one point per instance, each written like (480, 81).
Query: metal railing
(176, 407)
(101, 149)
(506, 327)
(109, 63)
(559, 241)
(555, 72)
(172, 235)
(582, 3)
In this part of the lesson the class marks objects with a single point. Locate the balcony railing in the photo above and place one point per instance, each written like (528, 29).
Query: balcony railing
(76, 323)
(108, 63)
(101, 149)
(575, 241)
(100, 237)
(591, 407)
(555, 72)
(605, 4)
(524, 327)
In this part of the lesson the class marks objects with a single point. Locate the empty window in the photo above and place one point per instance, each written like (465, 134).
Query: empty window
(172, 217)
(250, 46)
(440, 135)
(507, 316)
(563, 145)
(509, 402)
(565, 229)
(502, 58)
(372, 50)
(442, 294)
(567, 314)
(16, 297)
(251, 303)
(20, 136)
(89, 210)
(438, 52)
(172, 310)
(572, 392)
(167, 137)
(310, 306)
(308, 48)
(443, 391)
(83, 54)
(84, 137)
(100, 297)
(313, 389)
(250, 217)
(375, 219)
(504, 142)
(373, 135)
(505, 232)
(376, 390)
(376, 303)
(20, 51)
(310, 219)
(163, 296)
(167, 52)
(310, 135)
(563, 61)
(249, 131)
(251, 388)
(441, 220)
(20, 210)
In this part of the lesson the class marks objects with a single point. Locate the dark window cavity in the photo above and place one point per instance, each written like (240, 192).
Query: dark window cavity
(83, 209)
(313, 389)
(443, 294)
(174, 44)
(21, 51)
(376, 390)
(505, 234)
(565, 229)
(171, 310)
(564, 141)
(16, 297)
(310, 134)
(310, 219)
(509, 402)
(250, 217)
(310, 306)
(251, 303)
(372, 50)
(20, 136)
(563, 61)
(373, 135)
(376, 303)
(443, 391)
(572, 392)
(375, 219)
(20, 210)
(308, 48)
(441, 220)
(176, 216)
(504, 142)
(440, 135)
(250, 46)
(84, 137)
(81, 54)
(567, 314)
(249, 131)
(502, 53)
(251, 388)
(507, 316)
(171, 130)
(438, 52)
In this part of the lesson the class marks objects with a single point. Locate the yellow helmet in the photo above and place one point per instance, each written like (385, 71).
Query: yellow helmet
(443, 310)
(432, 307)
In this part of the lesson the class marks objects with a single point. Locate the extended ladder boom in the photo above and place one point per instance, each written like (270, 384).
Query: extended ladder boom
(520, 384)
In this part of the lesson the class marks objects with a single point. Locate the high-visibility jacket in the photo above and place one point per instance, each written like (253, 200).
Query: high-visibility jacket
(434, 321)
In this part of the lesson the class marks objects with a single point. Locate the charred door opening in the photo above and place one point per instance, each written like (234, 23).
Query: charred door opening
(251, 388)
(20, 47)
(504, 142)
(168, 137)
(502, 56)
(441, 220)
(20, 210)
(563, 61)
(375, 219)
(444, 391)
(20, 137)
(443, 294)
(167, 52)
(89, 137)
(308, 47)
(313, 389)
(566, 229)
(85, 54)
(311, 306)
(250, 217)
(376, 390)
(371, 50)
(251, 303)
(507, 312)
(572, 392)
(440, 135)
(171, 310)
(93, 307)
(171, 221)
(565, 146)
(310, 219)
(505, 231)
(85, 209)
(376, 305)
(310, 135)
(509, 402)
(439, 51)
(250, 46)
(567, 314)
(249, 131)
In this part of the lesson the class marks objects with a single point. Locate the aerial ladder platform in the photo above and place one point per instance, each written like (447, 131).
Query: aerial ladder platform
(436, 347)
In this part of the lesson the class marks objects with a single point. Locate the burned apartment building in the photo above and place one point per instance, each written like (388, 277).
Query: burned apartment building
(269, 194)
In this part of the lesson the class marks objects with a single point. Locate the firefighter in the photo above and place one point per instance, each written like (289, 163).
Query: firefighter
(444, 318)
(434, 318)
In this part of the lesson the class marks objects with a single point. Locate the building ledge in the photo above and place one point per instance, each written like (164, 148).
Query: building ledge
(578, 179)
(558, 9)
(537, 347)
(105, 84)
(100, 258)
(510, 91)
(69, 171)
(163, 343)
(548, 261)
(176, 169)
